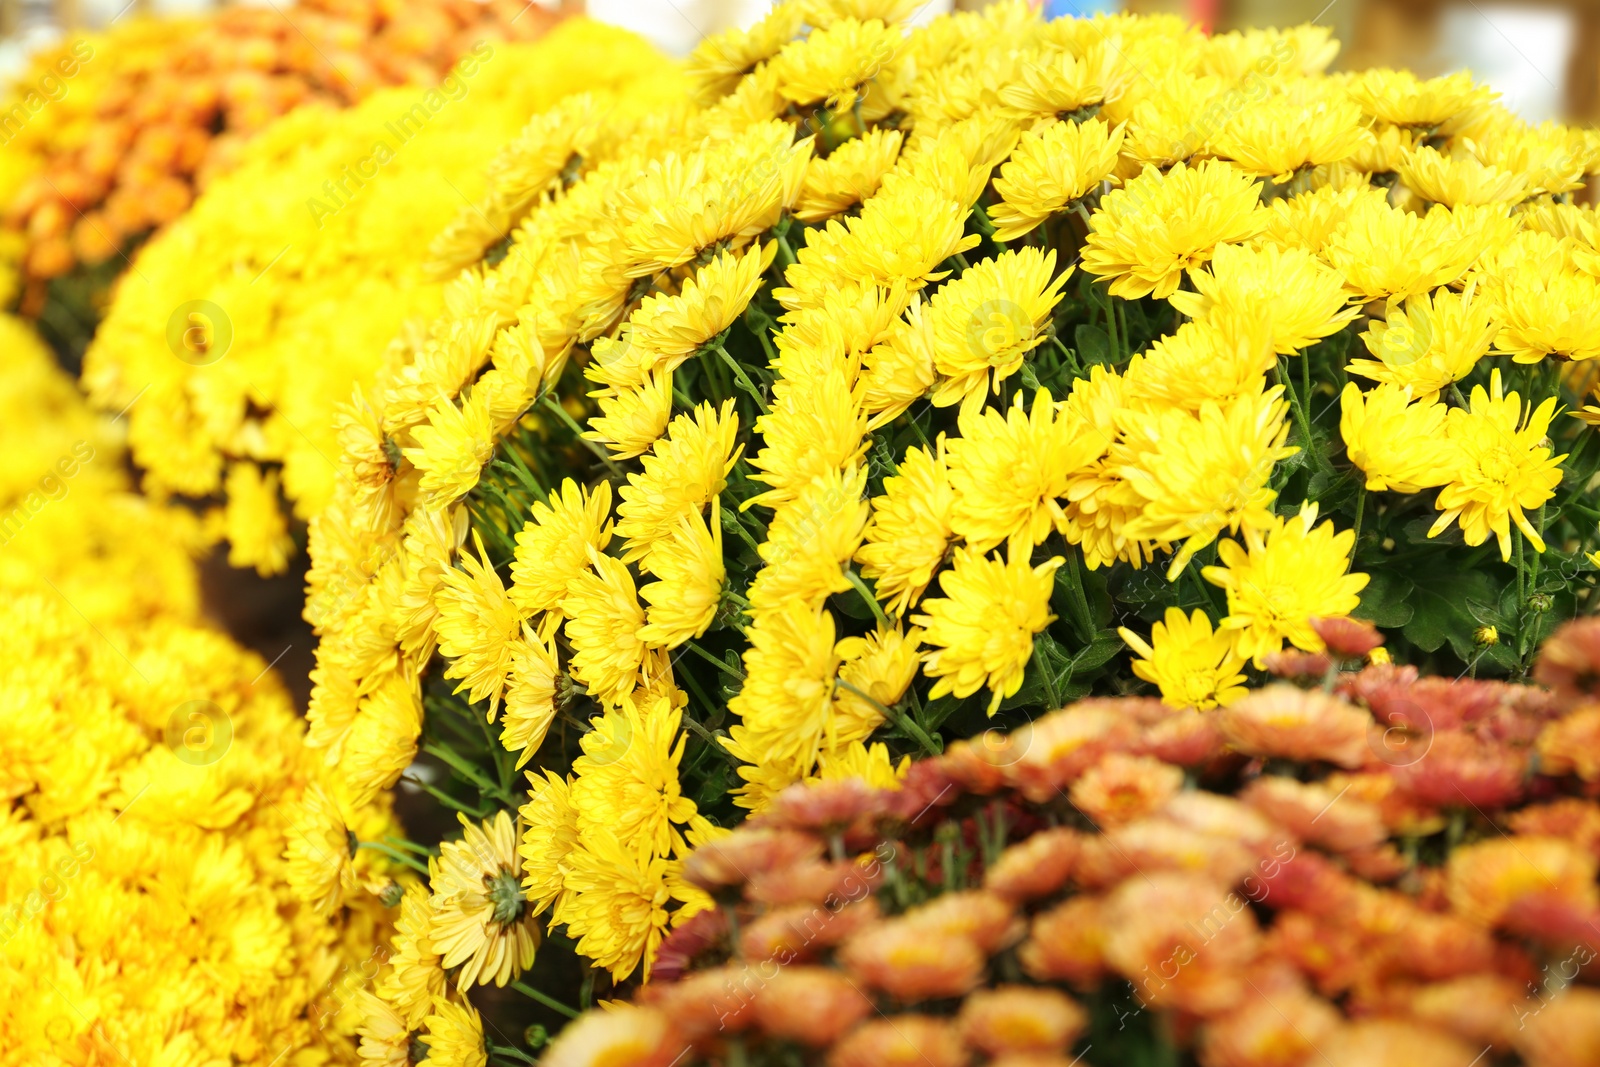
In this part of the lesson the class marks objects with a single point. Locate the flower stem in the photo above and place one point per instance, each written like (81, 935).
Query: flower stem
(395, 854)
(709, 738)
(467, 771)
(449, 801)
(604, 457)
(719, 664)
(744, 379)
(866, 594)
(548, 1001)
(1361, 506)
(905, 722)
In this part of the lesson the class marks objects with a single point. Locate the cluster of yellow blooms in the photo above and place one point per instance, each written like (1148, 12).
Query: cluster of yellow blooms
(151, 769)
(237, 331)
(799, 407)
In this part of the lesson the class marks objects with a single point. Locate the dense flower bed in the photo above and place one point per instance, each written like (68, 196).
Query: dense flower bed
(289, 285)
(902, 384)
(150, 770)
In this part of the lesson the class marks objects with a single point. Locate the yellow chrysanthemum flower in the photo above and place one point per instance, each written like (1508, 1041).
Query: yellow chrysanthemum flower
(531, 686)
(414, 976)
(455, 1035)
(320, 850)
(1192, 666)
(1308, 220)
(1501, 468)
(718, 62)
(632, 420)
(785, 706)
(1009, 470)
(1396, 439)
(1213, 361)
(549, 832)
(980, 632)
(832, 64)
(1276, 137)
(876, 670)
(987, 321)
(868, 764)
(815, 426)
(627, 778)
(1436, 340)
(731, 189)
(553, 544)
(1285, 575)
(669, 329)
(481, 921)
(477, 625)
(848, 176)
(1403, 99)
(899, 371)
(452, 447)
(1099, 503)
(1146, 234)
(257, 532)
(910, 529)
(682, 473)
(1049, 171)
(603, 620)
(1460, 179)
(1299, 297)
(1200, 473)
(809, 540)
(385, 1037)
(1547, 313)
(1361, 247)
(617, 903)
(689, 572)
(1048, 82)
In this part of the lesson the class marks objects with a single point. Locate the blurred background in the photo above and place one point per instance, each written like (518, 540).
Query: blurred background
(1544, 58)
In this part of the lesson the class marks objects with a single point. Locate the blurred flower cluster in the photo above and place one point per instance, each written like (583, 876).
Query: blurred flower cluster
(149, 772)
(1277, 883)
(242, 326)
(894, 384)
(163, 106)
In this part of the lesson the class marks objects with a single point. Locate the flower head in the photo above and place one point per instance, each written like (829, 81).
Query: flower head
(1502, 469)
(1050, 170)
(981, 631)
(481, 921)
(1281, 579)
(1193, 666)
(1146, 234)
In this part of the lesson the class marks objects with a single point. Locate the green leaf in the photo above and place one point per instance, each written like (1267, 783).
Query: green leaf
(1097, 653)
(1440, 609)
(1384, 601)
(1093, 344)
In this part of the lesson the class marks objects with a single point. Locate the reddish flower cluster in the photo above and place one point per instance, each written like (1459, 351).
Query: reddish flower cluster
(161, 128)
(1384, 870)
